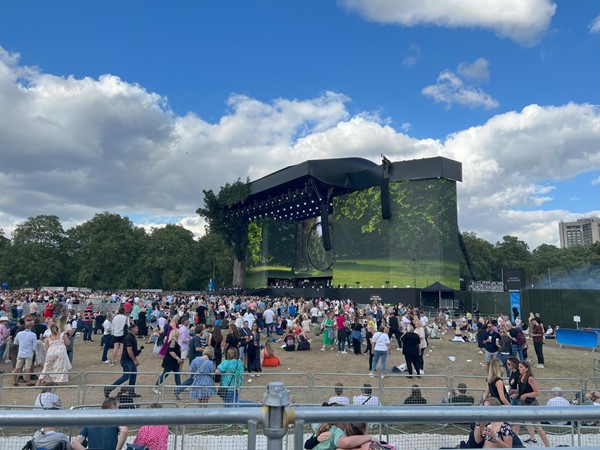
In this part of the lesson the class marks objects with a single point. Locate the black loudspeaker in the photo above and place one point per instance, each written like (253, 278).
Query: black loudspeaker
(386, 213)
(325, 228)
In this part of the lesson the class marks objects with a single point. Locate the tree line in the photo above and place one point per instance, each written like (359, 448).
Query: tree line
(110, 252)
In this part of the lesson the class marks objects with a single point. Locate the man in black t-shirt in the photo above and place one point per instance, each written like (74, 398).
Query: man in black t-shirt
(129, 363)
(201, 312)
(490, 343)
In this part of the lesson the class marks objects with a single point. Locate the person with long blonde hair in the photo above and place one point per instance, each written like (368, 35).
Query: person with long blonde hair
(56, 365)
(172, 362)
(495, 385)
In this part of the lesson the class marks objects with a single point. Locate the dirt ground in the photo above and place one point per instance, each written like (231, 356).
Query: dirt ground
(311, 375)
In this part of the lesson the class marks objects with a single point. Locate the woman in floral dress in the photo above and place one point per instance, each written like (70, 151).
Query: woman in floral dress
(57, 362)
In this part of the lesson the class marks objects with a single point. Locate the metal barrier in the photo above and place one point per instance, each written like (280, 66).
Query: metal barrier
(284, 426)
(94, 384)
(23, 394)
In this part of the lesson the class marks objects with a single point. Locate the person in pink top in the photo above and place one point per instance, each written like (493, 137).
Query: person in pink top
(341, 331)
(155, 437)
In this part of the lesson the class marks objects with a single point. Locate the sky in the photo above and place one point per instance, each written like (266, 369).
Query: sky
(136, 107)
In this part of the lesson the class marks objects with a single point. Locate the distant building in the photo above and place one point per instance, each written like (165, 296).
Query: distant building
(581, 232)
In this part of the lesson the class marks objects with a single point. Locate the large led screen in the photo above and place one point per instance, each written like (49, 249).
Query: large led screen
(415, 248)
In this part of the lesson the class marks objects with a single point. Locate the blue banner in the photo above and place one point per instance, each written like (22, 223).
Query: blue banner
(515, 305)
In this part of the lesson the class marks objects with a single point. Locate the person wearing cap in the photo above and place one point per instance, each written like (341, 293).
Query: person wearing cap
(558, 400)
(460, 396)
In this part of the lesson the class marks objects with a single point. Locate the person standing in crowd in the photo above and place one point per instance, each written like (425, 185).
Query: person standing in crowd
(129, 363)
(420, 331)
(381, 343)
(119, 323)
(203, 369)
(341, 332)
(356, 335)
(171, 362)
(504, 347)
(253, 348)
(245, 335)
(411, 349)
(537, 335)
(527, 394)
(142, 321)
(106, 339)
(184, 337)
(513, 379)
(4, 337)
(217, 344)
(495, 385)
(394, 323)
(269, 318)
(328, 336)
(232, 376)
(106, 438)
(490, 342)
(26, 341)
(517, 341)
(88, 322)
(56, 365)
(232, 340)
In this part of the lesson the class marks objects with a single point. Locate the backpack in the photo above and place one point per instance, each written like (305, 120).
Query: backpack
(521, 338)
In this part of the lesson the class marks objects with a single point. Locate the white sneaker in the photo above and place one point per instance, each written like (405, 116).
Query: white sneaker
(371, 374)
(539, 366)
(344, 351)
(398, 348)
(156, 390)
(106, 362)
(421, 372)
(323, 349)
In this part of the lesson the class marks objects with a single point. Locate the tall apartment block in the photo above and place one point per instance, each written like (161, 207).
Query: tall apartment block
(581, 232)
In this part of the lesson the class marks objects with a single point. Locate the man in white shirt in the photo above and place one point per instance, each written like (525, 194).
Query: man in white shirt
(338, 397)
(249, 317)
(118, 334)
(365, 397)
(184, 337)
(27, 341)
(269, 316)
(558, 400)
(314, 314)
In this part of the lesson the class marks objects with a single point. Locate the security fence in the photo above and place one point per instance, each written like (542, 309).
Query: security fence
(278, 424)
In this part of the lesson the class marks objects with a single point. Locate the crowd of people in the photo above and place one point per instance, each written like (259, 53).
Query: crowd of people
(222, 337)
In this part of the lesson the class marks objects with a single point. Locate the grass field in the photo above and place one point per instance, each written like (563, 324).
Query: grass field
(401, 272)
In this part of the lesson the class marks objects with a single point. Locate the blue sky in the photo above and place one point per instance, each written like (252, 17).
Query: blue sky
(135, 107)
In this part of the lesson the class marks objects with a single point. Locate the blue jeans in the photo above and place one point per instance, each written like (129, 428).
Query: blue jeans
(517, 351)
(106, 338)
(186, 383)
(128, 366)
(504, 357)
(164, 375)
(231, 396)
(379, 354)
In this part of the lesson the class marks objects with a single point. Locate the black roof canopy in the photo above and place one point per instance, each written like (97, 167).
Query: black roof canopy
(297, 192)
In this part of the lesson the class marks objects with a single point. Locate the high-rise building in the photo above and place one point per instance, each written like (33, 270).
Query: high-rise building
(581, 232)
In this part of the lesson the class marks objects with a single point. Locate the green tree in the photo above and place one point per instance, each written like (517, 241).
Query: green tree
(37, 254)
(483, 258)
(4, 258)
(172, 258)
(109, 251)
(512, 253)
(233, 229)
(215, 261)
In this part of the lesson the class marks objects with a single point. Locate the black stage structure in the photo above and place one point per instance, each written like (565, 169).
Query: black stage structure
(391, 229)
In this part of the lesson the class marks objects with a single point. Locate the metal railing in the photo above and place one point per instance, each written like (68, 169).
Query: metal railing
(284, 426)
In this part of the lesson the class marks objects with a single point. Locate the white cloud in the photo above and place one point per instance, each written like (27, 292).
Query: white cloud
(478, 70)
(76, 147)
(413, 57)
(596, 182)
(523, 21)
(451, 89)
(595, 25)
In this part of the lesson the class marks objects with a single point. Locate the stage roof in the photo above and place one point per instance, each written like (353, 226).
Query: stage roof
(297, 192)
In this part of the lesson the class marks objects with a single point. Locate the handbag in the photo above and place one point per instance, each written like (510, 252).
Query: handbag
(136, 447)
(222, 391)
